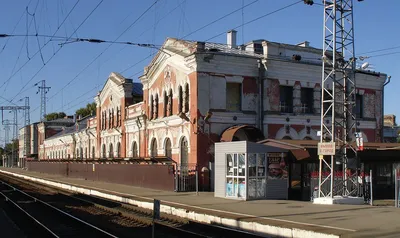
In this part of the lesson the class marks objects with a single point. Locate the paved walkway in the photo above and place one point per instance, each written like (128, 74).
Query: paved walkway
(341, 220)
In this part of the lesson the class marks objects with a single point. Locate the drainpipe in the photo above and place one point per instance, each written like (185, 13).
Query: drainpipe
(139, 125)
(383, 106)
(260, 83)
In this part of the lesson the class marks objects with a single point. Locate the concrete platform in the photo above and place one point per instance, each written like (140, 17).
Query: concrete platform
(339, 200)
(271, 217)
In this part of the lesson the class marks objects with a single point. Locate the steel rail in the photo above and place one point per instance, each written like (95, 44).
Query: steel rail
(28, 214)
(59, 210)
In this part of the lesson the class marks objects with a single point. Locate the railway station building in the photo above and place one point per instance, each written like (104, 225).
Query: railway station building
(193, 94)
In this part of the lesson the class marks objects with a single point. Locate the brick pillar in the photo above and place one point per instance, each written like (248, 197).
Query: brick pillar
(317, 98)
(297, 97)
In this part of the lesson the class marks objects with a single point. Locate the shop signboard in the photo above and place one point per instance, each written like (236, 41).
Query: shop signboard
(277, 166)
(326, 148)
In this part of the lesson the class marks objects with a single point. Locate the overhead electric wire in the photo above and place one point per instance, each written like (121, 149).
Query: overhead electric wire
(40, 51)
(22, 46)
(258, 18)
(198, 29)
(15, 27)
(124, 48)
(131, 66)
(60, 47)
(385, 54)
(147, 29)
(380, 50)
(218, 19)
(248, 22)
(87, 66)
(79, 97)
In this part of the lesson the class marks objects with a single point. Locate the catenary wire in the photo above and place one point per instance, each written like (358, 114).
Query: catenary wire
(15, 27)
(26, 62)
(58, 48)
(87, 66)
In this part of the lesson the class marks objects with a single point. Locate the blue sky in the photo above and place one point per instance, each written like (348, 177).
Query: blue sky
(375, 28)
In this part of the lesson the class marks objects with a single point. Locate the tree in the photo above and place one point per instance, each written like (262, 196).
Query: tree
(9, 147)
(90, 109)
(55, 115)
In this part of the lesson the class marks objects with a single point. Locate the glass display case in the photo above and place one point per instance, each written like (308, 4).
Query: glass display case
(236, 166)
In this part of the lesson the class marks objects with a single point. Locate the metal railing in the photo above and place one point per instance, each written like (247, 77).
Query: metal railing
(186, 178)
(360, 186)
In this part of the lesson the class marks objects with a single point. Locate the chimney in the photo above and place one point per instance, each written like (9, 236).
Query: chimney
(231, 39)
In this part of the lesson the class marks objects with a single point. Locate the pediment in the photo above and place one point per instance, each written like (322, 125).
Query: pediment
(115, 88)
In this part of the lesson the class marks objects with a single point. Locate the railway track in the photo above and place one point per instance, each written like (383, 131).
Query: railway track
(44, 219)
(117, 219)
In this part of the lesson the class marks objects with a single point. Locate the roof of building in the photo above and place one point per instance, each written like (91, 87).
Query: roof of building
(137, 89)
(79, 126)
(186, 48)
(61, 120)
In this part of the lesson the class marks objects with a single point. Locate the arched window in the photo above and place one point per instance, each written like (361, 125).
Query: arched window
(168, 148)
(153, 148)
(155, 107)
(134, 150)
(151, 108)
(180, 95)
(93, 152)
(81, 153)
(170, 103)
(307, 138)
(86, 153)
(111, 151)
(109, 119)
(286, 138)
(166, 104)
(184, 151)
(77, 153)
(104, 151)
(186, 98)
(118, 150)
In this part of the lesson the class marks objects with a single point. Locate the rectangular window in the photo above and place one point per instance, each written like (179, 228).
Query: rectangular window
(286, 99)
(307, 100)
(359, 106)
(235, 175)
(233, 96)
(258, 48)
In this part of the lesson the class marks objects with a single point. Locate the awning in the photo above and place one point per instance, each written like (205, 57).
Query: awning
(252, 133)
(298, 152)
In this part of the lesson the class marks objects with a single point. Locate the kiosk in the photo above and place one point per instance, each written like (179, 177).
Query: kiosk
(247, 171)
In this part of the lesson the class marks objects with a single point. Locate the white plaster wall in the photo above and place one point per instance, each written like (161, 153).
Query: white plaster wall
(217, 89)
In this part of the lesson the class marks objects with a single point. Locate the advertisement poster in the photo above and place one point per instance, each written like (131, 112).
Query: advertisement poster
(277, 166)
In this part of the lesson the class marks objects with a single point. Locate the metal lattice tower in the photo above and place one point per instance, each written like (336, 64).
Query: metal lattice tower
(6, 124)
(338, 120)
(26, 123)
(26, 111)
(14, 123)
(43, 91)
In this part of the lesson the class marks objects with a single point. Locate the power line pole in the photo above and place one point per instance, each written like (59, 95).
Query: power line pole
(43, 91)
(338, 120)
(14, 109)
(6, 124)
(26, 123)
(26, 112)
